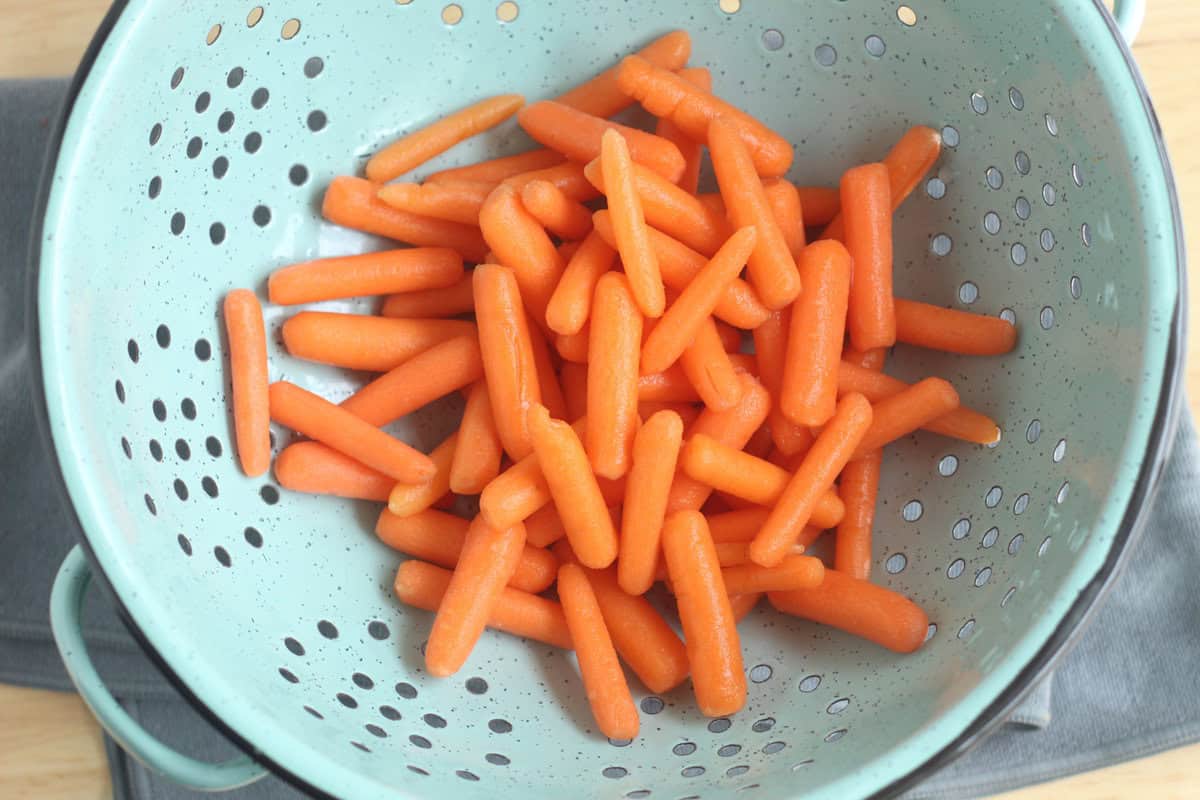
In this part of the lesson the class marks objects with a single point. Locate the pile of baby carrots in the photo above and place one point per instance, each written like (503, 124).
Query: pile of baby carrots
(614, 431)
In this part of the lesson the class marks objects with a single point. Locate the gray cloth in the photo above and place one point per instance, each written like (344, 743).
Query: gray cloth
(1127, 690)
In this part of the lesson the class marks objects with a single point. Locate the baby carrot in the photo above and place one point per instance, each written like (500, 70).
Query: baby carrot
(743, 604)
(871, 315)
(953, 331)
(577, 136)
(476, 459)
(863, 609)
(614, 340)
(406, 270)
(407, 499)
(562, 216)
(436, 372)
(457, 201)
(411, 151)
(602, 97)
(709, 630)
(865, 359)
(820, 204)
(548, 386)
(671, 386)
(771, 268)
(352, 203)
(655, 452)
(607, 691)
(688, 412)
(829, 453)
(788, 213)
(858, 488)
(248, 376)
(508, 363)
(665, 94)
(432, 303)
(568, 178)
(904, 412)
(495, 170)
(692, 149)
(571, 302)
(519, 613)
(681, 323)
(486, 564)
(520, 243)
(358, 341)
(794, 572)
(317, 418)
(808, 393)
(629, 226)
(770, 354)
(544, 527)
(709, 368)
(574, 387)
(573, 347)
(314, 468)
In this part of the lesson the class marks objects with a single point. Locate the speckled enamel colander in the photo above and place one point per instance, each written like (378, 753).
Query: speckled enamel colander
(193, 159)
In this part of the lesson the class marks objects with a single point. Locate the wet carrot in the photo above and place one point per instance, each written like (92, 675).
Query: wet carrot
(316, 469)
(951, 331)
(562, 216)
(794, 572)
(655, 452)
(820, 204)
(692, 149)
(671, 386)
(743, 604)
(358, 341)
(408, 499)
(456, 201)
(629, 226)
(389, 271)
(544, 527)
(602, 97)
(495, 170)
(770, 354)
(858, 489)
(547, 378)
(710, 370)
(477, 457)
(905, 411)
(687, 412)
(568, 178)
(248, 377)
(574, 386)
(614, 340)
(520, 243)
(867, 211)
(432, 303)
(574, 347)
(436, 372)
(786, 209)
(571, 302)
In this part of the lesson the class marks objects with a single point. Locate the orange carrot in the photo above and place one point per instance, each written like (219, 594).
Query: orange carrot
(515, 493)
(665, 94)
(521, 244)
(692, 149)
(731, 338)
(713, 648)
(495, 170)
(858, 488)
(681, 323)
(577, 136)
(477, 457)
(559, 214)
(317, 418)
(314, 468)
(614, 339)
(607, 691)
(568, 178)
(357, 341)
(794, 572)
(413, 150)
(602, 97)
(863, 609)
(548, 386)
(808, 393)
(574, 387)
(709, 368)
(865, 359)
(953, 331)
(508, 363)
(574, 347)
(436, 372)
(629, 226)
(829, 453)
(736, 526)
(904, 412)
(408, 499)
(671, 386)
(567, 249)
(685, 411)
(770, 354)
(743, 604)
(788, 213)
(486, 564)
(432, 303)
(407, 270)
(820, 204)
(351, 203)
(655, 452)
(457, 201)
(571, 302)
(772, 269)
(248, 376)
(519, 613)
(544, 527)
(871, 317)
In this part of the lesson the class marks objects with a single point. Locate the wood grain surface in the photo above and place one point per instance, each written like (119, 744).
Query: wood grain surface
(50, 747)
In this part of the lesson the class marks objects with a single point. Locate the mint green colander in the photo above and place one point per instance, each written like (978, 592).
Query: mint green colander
(193, 160)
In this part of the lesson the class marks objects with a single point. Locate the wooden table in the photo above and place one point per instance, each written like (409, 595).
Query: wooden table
(50, 747)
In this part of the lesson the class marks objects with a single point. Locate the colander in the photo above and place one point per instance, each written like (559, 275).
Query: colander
(193, 159)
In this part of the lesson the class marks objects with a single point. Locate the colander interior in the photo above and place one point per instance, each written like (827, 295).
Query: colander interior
(194, 161)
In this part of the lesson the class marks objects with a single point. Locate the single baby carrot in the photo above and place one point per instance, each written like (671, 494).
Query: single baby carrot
(314, 468)
(508, 363)
(432, 303)
(486, 564)
(457, 201)
(709, 368)
(607, 691)
(407, 499)
(692, 149)
(571, 302)
(808, 393)
(740, 306)
(863, 609)
(820, 204)
(411, 151)
(771, 268)
(858, 488)
(665, 94)
(436, 372)
(904, 412)
(866, 200)
(577, 136)
(477, 457)
(629, 226)
(565, 468)
(562, 216)
(709, 629)
(495, 170)
(743, 604)
(602, 97)
(407, 270)
(786, 209)
(573, 378)
(438, 537)
(317, 418)
(614, 339)
(671, 386)
(655, 451)
(358, 341)
(828, 455)
(794, 572)
(544, 527)
(866, 359)
(568, 178)
(770, 354)
(519, 613)
(682, 321)
(352, 203)
(248, 376)
(548, 385)
(953, 331)
(520, 243)
(573, 347)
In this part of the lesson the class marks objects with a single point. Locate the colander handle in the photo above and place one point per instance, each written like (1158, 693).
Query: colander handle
(66, 607)
(1129, 15)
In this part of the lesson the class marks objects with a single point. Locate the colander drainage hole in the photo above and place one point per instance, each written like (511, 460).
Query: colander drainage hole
(150, 505)
(684, 749)
(155, 133)
(912, 511)
(222, 556)
(477, 686)
(298, 174)
(637, 794)
(162, 335)
(950, 136)
(252, 142)
(652, 705)
(178, 222)
(620, 742)
(187, 407)
(155, 187)
(160, 410)
(316, 120)
(194, 146)
(956, 568)
(834, 735)
(389, 713)
(327, 629)
(378, 630)
(216, 233)
(967, 629)
(375, 730)
(810, 683)
(408, 692)
(990, 537)
(225, 121)
(930, 631)
(234, 78)
(260, 97)
(127, 448)
(134, 352)
(181, 490)
(772, 39)
(417, 770)
(1060, 451)
(177, 77)
(740, 769)
(213, 446)
(220, 167)
(269, 494)
(498, 725)
(961, 529)
(719, 725)
(253, 537)
(614, 772)
(434, 721)
(261, 216)
(771, 748)
(314, 712)
(728, 750)
(498, 759)
(202, 101)
(761, 673)
(184, 544)
(993, 496)
(293, 646)
(347, 700)
(313, 67)
(875, 46)
(156, 451)
(288, 675)
(363, 681)
(763, 725)
(825, 55)
(209, 486)
(896, 563)
(361, 746)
